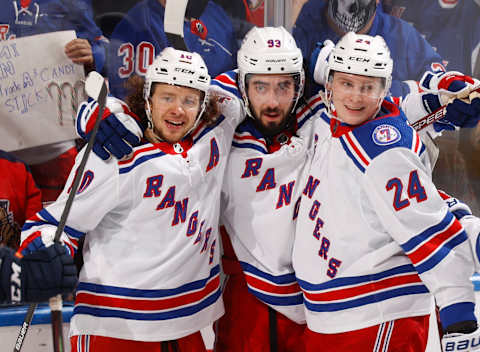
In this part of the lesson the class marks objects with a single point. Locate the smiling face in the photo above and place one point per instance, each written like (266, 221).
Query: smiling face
(271, 98)
(356, 98)
(174, 110)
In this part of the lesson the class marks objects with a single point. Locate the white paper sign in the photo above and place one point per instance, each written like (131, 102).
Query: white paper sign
(40, 89)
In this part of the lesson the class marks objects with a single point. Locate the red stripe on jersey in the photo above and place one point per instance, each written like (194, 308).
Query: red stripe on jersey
(224, 78)
(272, 288)
(370, 287)
(443, 195)
(417, 143)
(29, 240)
(148, 304)
(357, 151)
(72, 250)
(199, 127)
(436, 241)
(396, 100)
(138, 151)
(247, 137)
(308, 106)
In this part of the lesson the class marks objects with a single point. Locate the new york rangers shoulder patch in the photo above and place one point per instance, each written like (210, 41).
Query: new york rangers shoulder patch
(385, 135)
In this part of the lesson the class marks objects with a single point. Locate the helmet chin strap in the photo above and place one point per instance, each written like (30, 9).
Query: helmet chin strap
(328, 99)
(150, 126)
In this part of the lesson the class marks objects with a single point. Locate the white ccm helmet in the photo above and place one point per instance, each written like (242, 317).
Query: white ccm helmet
(180, 68)
(364, 55)
(269, 50)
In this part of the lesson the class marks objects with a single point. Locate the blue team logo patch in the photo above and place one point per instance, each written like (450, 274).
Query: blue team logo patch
(385, 135)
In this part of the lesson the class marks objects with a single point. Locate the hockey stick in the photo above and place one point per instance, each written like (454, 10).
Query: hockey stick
(434, 116)
(96, 88)
(173, 23)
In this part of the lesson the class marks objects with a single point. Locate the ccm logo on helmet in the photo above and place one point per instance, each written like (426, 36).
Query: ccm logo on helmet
(184, 70)
(462, 345)
(358, 59)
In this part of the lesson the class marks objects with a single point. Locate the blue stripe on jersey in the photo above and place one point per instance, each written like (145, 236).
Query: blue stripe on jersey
(231, 87)
(442, 252)
(353, 280)
(280, 279)
(350, 155)
(373, 298)
(425, 235)
(227, 88)
(133, 292)
(207, 129)
(278, 300)
(182, 312)
(250, 146)
(140, 160)
(279, 290)
(49, 219)
(422, 149)
(311, 112)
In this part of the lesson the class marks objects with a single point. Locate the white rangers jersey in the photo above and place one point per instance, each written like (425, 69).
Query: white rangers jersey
(151, 270)
(373, 237)
(260, 194)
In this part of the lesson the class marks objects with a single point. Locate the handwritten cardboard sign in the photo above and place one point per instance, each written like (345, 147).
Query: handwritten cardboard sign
(40, 89)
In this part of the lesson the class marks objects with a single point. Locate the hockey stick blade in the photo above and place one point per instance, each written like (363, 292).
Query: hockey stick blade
(434, 116)
(96, 88)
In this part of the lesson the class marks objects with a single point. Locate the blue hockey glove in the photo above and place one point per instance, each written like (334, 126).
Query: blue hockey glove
(456, 90)
(119, 130)
(47, 272)
(318, 64)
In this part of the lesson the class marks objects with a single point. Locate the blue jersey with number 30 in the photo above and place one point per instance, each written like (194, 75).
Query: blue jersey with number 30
(140, 36)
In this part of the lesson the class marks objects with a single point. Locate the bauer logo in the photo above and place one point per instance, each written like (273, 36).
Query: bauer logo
(463, 345)
(385, 135)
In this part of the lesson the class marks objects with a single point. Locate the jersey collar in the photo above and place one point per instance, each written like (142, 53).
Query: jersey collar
(181, 147)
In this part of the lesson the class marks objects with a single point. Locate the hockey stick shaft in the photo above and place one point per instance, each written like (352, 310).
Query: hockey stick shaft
(101, 99)
(434, 116)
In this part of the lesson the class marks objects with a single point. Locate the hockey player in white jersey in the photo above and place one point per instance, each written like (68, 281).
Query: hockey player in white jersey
(374, 239)
(271, 150)
(150, 279)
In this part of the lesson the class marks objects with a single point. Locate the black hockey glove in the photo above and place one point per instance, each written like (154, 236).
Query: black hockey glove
(47, 272)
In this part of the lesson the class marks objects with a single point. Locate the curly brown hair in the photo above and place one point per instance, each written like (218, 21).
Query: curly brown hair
(136, 102)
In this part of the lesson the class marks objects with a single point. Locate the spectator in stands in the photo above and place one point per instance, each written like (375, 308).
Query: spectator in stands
(50, 164)
(20, 198)
(252, 11)
(140, 36)
(451, 27)
(107, 13)
(321, 20)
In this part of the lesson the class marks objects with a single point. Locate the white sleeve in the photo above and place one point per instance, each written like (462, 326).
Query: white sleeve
(97, 194)
(408, 205)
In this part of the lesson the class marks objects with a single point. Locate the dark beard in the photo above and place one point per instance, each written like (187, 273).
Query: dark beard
(274, 129)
